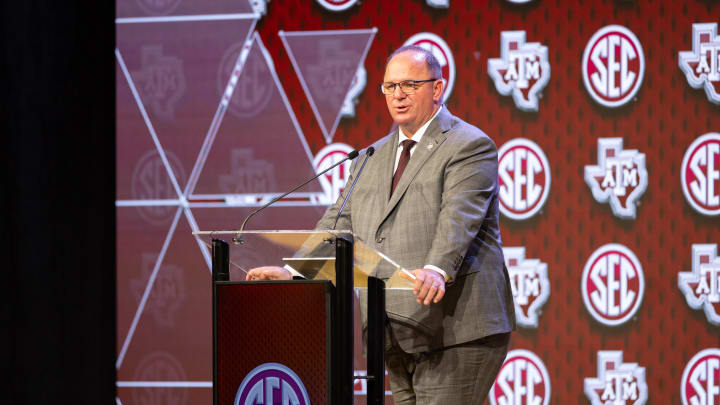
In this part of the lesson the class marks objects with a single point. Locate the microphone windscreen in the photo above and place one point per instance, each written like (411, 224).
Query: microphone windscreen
(352, 155)
(370, 151)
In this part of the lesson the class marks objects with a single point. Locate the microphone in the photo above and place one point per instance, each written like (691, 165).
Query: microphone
(238, 237)
(369, 152)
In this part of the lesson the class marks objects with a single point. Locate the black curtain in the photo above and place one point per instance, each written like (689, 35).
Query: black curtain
(58, 112)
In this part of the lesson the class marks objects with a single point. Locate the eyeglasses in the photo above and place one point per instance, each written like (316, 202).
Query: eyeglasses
(406, 86)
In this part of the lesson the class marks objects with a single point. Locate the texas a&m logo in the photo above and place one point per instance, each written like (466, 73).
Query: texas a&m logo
(160, 81)
(700, 174)
(613, 66)
(701, 379)
(530, 285)
(617, 383)
(522, 70)
(442, 53)
(271, 383)
(701, 285)
(619, 177)
(524, 181)
(523, 379)
(613, 284)
(702, 65)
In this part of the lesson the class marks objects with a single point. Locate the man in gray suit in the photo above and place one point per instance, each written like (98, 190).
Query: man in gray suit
(428, 199)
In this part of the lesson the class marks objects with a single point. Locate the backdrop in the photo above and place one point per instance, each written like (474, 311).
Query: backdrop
(606, 117)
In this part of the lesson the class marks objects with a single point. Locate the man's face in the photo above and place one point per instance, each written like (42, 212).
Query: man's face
(411, 111)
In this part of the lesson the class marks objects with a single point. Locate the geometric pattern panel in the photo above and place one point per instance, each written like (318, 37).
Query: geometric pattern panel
(175, 69)
(259, 147)
(160, 8)
(326, 63)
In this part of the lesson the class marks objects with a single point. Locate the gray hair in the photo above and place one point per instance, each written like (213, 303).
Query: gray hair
(430, 60)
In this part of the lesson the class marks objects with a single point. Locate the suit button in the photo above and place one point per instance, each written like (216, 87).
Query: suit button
(379, 239)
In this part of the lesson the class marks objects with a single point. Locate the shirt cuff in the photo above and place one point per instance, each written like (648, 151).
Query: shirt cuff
(439, 270)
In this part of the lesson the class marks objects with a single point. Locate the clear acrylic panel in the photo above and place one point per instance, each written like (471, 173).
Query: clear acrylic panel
(310, 253)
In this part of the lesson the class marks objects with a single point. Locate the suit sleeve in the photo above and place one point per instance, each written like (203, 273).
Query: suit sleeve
(470, 184)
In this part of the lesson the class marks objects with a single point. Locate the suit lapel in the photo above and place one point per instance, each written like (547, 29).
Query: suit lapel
(434, 136)
(386, 158)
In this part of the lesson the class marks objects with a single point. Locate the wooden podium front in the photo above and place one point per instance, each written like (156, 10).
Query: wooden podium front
(285, 323)
(291, 342)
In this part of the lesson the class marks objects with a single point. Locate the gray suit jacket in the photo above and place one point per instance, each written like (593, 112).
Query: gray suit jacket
(444, 212)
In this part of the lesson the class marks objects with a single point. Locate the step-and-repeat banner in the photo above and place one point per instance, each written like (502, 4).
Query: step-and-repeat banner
(607, 119)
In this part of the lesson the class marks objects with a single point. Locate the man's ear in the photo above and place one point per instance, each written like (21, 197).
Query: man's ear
(438, 90)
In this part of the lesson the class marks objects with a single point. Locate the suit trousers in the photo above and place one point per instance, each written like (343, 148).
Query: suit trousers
(459, 374)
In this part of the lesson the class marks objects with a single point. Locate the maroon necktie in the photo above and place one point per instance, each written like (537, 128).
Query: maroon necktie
(407, 145)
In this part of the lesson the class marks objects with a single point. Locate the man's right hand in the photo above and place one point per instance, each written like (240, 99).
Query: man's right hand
(268, 273)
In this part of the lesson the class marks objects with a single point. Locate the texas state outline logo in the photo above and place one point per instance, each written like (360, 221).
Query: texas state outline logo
(530, 285)
(616, 383)
(701, 65)
(619, 178)
(701, 285)
(522, 70)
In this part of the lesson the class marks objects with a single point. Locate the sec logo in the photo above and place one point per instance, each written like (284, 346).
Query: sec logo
(442, 53)
(524, 174)
(159, 366)
(700, 174)
(332, 182)
(701, 379)
(337, 5)
(613, 284)
(248, 90)
(523, 379)
(271, 383)
(616, 383)
(613, 66)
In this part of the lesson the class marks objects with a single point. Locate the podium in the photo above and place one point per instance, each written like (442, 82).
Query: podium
(291, 342)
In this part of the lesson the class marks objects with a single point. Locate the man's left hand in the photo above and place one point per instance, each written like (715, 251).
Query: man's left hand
(429, 286)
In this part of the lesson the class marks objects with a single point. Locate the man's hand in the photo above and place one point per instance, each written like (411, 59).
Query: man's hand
(429, 286)
(268, 273)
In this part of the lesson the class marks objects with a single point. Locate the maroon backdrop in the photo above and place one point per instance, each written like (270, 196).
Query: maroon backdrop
(182, 89)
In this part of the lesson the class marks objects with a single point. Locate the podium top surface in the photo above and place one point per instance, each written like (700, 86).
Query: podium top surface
(309, 252)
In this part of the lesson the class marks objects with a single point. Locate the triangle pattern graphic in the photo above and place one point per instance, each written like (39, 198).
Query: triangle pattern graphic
(154, 8)
(326, 63)
(179, 71)
(140, 172)
(178, 305)
(139, 244)
(259, 147)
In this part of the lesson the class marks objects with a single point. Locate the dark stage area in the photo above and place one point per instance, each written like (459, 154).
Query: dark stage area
(58, 132)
